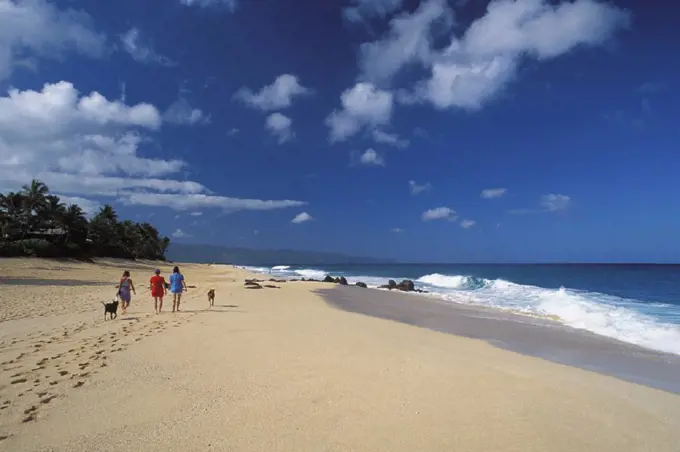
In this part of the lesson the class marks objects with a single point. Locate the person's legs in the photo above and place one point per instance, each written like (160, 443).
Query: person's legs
(179, 298)
(155, 305)
(160, 304)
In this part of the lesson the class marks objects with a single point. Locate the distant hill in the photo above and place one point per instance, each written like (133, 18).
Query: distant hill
(244, 256)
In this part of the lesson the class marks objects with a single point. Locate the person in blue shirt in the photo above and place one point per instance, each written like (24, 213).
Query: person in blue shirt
(177, 286)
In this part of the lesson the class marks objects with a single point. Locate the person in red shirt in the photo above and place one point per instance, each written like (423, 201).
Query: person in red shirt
(158, 290)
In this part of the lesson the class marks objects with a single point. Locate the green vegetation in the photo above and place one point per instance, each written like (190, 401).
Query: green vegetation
(36, 223)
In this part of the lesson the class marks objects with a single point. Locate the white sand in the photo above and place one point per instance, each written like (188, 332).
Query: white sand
(279, 370)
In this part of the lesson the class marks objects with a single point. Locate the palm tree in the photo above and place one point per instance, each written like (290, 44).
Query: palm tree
(74, 223)
(34, 211)
(14, 215)
(50, 212)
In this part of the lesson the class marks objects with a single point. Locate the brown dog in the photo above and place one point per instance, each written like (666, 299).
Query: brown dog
(211, 297)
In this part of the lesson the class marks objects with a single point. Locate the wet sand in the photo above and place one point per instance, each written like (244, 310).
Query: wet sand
(536, 337)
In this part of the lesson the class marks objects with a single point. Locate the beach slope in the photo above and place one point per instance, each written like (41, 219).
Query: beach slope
(281, 369)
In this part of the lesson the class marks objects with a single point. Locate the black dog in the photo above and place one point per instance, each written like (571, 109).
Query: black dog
(111, 309)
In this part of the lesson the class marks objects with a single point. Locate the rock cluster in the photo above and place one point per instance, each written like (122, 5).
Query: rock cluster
(405, 286)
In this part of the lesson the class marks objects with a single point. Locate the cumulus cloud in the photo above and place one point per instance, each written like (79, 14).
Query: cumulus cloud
(371, 158)
(555, 202)
(408, 41)
(89, 145)
(367, 9)
(196, 214)
(33, 28)
(281, 126)
(363, 105)
(141, 49)
(179, 234)
(277, 96)
(474, 67)
(467, 224)
(388, 138)
(491, 193)
(229, 5)
(439, 213)
(301, 218)
(180, 112)
(417, 189)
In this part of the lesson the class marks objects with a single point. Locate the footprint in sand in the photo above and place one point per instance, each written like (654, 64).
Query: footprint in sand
(63, 372)
(48, 399)
(79, 384)
(17, 381)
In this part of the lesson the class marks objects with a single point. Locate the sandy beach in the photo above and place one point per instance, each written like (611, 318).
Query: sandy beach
(283, 370)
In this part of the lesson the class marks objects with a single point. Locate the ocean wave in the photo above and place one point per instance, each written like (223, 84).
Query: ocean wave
(311, 273)
(606, 315)
(455, 281)
(280, 267)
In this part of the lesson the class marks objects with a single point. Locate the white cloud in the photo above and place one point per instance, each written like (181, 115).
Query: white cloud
(367, 9)
(141, 50)
(37, 28)
(180, 112)
(362, 105)
(280, 126)
(88, 145)
(89, 206)
(301, 218)
(188, 202)
(277, 96)
(409, 41)
(439, 213)
(178, 234)
(230, 5)
(371, 158)
(417, 189)
(491, 193)
(467, 224)
(474, 67)
(397, 230)
(196, 214)
(233, 132)
(555, 202)
(387, 138)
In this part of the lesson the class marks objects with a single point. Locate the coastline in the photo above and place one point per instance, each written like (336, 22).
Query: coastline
(283, 369)
(532, 336)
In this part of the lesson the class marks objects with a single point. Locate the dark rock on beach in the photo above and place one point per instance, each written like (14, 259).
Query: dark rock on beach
(328, 279)
(277, 280)
(341, 280)
(405, 286)
(361, 284)
(254, 286)
(271, 286)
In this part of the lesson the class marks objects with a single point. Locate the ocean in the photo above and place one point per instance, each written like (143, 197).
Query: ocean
(637, 304)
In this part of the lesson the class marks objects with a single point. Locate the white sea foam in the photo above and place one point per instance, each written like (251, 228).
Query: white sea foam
(280, 267)
(311, 273)
(626, 320)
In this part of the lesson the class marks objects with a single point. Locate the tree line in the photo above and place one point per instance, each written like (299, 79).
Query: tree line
(34, 222)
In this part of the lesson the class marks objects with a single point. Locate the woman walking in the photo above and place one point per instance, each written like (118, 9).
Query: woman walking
(124, 289)
(158, 290)
(177, 286)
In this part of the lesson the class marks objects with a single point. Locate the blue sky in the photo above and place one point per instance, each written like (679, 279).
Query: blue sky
(459, 131)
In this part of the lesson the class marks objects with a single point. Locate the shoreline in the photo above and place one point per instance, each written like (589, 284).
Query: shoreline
(540, 338)
(283, 369)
